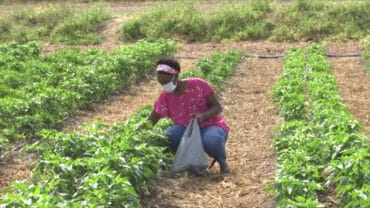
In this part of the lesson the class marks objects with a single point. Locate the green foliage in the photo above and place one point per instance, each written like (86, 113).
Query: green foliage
(288, 91)
(106, 166)
(296, 181)
(299, 20)
(54, 22)
(367, 53)
(174, 20)
(41, 92)
(243, 21)
(219, 67)
(294, 192)
(81, 29)
(322, 20)
(323, 147)
(216, 69)
(101, 166)
(350, 161)
(185, 21)
(5, 28)
(34, 23)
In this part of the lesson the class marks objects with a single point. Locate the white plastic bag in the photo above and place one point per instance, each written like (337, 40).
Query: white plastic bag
(190, 153)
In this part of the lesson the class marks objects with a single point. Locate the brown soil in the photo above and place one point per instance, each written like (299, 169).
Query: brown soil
(248, 111)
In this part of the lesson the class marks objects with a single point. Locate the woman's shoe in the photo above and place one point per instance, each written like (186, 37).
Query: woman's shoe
(224, 168)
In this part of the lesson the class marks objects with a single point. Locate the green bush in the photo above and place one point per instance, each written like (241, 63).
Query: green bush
(35, 23)
(101, 166)
(55, 22)
(299, 20)
(324, 147)
(243, 21)
(104, 166)
(5, 28)
(367, 53)
(321, 20)
(175, 20)
(81, 29)
(42, 91)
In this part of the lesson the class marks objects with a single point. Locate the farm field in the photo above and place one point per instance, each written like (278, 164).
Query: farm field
(248, 109)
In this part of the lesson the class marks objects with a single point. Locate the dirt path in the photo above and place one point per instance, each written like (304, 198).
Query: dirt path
(249, 113)
(110, 33)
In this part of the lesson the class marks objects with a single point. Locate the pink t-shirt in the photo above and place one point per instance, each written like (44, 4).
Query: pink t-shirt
(193, 100)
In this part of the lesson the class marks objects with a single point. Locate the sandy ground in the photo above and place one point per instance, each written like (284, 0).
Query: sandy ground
(248, 111)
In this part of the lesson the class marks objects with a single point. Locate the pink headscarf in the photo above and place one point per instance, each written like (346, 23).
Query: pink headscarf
(167, 69)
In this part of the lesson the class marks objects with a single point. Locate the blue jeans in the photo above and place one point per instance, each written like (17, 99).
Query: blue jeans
(214, 139)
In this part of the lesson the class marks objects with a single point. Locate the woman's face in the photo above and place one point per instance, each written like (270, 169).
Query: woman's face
(164, 78)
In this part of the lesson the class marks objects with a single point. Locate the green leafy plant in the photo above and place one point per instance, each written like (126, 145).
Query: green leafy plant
(244, 21)
(217, 68)
(367, 53)
(100, 165)
(321, 20)
(301, 20)
(41, 92)
(55, 22)
(288, 92)
(325, 146)
(82, 29)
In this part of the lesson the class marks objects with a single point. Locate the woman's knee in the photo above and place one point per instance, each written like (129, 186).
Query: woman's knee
(214, 136)
(214, 139)
(175, 131)
(175, 134)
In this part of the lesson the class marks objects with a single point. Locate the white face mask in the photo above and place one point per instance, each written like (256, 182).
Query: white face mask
(169, 87)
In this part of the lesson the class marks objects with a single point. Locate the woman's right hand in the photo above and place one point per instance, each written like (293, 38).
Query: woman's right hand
(198, 116)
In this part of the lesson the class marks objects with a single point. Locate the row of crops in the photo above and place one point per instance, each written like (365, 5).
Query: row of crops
(39, 92)
(101, 165)
(321, 146)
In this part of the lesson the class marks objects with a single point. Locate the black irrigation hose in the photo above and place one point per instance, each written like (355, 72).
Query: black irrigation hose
(329, 55)
(263, 56)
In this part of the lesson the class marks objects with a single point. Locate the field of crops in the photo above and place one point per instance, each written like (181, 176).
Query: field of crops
(321, 143)
(300, 120)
